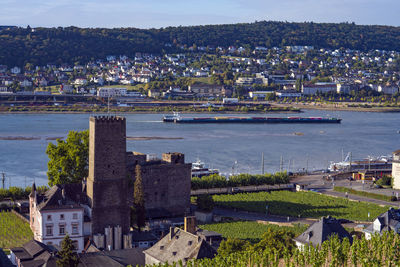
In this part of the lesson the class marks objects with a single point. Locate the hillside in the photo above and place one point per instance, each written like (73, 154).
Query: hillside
(69, 45)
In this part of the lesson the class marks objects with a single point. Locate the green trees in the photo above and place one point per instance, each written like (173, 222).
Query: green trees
(232, 245)
(216, 181)
(205, 203)
(139, 208)
(71, 44)
(69, 159)
(68, 257)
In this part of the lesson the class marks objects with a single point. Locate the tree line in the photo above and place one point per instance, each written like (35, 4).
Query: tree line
(244, 179)
(40, 46)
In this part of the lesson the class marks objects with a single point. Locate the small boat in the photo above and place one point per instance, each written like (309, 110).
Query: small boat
(199, 169)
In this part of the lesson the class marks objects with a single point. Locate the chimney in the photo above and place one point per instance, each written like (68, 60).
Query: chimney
(190, 224)
(171, 232)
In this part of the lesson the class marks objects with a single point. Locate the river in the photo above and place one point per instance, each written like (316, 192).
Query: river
(227, 147)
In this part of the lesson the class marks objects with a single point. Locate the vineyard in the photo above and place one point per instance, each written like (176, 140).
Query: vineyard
(249, 230)
(13, 230)
(303, 204)
(379, 251)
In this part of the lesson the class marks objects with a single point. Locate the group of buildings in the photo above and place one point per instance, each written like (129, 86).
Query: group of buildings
(288, 70)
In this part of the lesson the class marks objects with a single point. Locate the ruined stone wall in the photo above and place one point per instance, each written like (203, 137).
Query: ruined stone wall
(167, 187)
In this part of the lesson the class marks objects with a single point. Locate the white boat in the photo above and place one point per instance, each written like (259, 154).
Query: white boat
(199, 169)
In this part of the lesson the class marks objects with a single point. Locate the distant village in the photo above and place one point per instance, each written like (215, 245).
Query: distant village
(215, 73)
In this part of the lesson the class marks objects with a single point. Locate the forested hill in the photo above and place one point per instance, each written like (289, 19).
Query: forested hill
(68, 45)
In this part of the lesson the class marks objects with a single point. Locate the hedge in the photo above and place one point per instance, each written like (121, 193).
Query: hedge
(364, 193)
(218, 181)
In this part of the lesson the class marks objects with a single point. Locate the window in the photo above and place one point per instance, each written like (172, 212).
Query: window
(49, 243)
(49, 230)
(75, 229)
(62, 229)
(61, 216)
(75, 216)
(49, 217)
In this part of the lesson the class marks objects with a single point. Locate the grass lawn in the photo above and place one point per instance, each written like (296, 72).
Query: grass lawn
(14, 231)
(249, 230)
(305, 204)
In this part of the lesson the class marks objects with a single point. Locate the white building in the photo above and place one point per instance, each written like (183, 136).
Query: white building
(15, 70)
(111, 92)
(5, 90)
(388, 221)
(312, 89)
(287, 93)
(388, 90)
(396, 169)
(57, 213)
(260, 94)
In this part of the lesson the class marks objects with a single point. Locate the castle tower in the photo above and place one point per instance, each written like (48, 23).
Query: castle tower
(107, 182)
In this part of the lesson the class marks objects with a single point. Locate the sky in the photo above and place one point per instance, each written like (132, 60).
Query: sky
(163, 13)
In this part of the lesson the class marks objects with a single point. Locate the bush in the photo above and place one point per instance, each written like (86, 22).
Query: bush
(205, 203)
(384, 181)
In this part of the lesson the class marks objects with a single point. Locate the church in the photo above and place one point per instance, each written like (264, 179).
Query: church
(98, 209)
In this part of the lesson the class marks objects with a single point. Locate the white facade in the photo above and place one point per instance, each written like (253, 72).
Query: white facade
(287, 94)
(388, 90)
(54, 225)
(312, 89)
(111, 92)
(15, 70)
(396, 170)
(50, 226)
(260, 94)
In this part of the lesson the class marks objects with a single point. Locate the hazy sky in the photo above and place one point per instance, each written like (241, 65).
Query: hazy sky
(162, 13)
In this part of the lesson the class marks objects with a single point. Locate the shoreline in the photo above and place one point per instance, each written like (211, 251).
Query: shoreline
(341, 108)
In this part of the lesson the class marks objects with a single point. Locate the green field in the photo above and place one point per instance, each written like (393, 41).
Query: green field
(14, 231)
(249, 230)
(303, 204)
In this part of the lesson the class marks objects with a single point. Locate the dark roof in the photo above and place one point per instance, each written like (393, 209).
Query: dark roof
(207, 233)
(34, 254)
(388, 221)
(396, 152)
(97, 259)
(320, 231)
(131, 256)
(180, 245)
(66, 196)
(143, 236)
(113, 258)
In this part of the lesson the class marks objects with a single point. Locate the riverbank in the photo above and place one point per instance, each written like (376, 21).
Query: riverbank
(358, 107)
(145, 110)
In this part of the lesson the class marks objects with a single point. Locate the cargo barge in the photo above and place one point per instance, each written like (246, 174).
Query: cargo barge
(176, 118)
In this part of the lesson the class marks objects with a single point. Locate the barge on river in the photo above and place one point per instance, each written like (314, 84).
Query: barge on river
(176, 118)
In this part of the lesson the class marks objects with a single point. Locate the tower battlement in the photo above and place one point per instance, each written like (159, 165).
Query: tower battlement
(107, 119)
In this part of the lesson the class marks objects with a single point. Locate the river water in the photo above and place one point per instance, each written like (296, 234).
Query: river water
(227, 147)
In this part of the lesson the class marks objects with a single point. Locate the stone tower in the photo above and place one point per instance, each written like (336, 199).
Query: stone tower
(107, 182)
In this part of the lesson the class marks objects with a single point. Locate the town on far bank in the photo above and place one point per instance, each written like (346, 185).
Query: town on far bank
(106, 206)
(209, 79)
